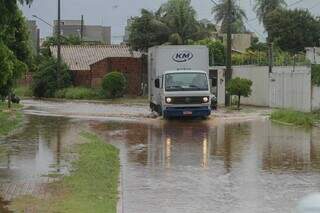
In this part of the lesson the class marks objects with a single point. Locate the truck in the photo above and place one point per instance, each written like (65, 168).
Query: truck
(179, 80)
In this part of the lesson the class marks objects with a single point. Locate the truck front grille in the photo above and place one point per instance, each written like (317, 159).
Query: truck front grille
(187, 100)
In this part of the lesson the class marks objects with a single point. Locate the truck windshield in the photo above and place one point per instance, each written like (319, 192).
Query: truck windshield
(186, 82)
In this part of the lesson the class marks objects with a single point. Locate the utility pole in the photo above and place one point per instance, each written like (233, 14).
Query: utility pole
(59, 44)
(81, 28)
(270, 54)
(228, 74)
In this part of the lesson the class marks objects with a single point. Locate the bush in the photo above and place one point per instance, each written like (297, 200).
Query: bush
(77, 93)
(114, 85)
(23, 91)
(315, 74)
(45, 79)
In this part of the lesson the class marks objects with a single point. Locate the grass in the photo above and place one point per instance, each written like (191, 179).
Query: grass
(23, 91)
(91, 187)
(80, 93)
(294, 117)
(10, 119)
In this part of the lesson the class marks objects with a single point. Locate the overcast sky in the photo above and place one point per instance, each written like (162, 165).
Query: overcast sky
(115, 13)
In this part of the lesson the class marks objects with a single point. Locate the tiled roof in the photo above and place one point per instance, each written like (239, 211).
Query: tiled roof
(80, 57)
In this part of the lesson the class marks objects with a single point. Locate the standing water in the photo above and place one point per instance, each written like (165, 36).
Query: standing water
(175, 166)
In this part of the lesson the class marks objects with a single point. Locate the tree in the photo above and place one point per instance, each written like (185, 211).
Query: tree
(238, 16)
(264, 7)
(174, 23)
(10, 70)
(216, 51)
(15, 52)
(46, 77)
(147, 31)
(240, 87)
(293, 30)
(180, 17)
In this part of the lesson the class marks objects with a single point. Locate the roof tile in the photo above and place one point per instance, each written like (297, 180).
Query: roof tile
(80, 57)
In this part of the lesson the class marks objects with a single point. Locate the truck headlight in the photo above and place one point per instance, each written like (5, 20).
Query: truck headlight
(205, 99)
(168, 100)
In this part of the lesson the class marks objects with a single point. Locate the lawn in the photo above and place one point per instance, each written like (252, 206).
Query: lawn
(10, 119)
(92, 185)
(295, 118)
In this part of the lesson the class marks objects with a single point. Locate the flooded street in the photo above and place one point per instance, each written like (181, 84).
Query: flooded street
(170, 166)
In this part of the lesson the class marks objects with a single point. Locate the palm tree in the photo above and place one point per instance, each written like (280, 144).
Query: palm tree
(180, 17)
(265, 7)
(238, 16)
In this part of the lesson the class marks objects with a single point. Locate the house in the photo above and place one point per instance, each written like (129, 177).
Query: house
(91, 33)
(90, 63)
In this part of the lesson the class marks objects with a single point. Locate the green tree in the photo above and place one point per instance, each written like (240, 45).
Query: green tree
(264, 7)
(238, 16)
(147, 31)
(293, 30)
(216, 51)
(180, 17)
(114, 85)
(174, 23)
(14, 45)
(240, 87)
(45, 79)
(10, 70)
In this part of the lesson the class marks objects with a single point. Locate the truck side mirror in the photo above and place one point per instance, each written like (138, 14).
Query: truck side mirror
(157, 83)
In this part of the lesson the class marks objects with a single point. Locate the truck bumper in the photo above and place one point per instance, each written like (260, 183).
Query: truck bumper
(186, 112)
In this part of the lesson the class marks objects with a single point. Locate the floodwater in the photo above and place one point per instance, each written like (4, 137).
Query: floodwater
(175, 166)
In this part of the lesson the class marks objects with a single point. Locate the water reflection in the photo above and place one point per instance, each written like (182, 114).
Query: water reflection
(37, 150)
(180, 166)
(199, 144)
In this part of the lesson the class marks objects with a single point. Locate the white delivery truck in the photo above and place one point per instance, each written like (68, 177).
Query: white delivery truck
(179, 81)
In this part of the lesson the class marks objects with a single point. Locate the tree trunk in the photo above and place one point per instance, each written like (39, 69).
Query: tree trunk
(9, 100)
(239, 101)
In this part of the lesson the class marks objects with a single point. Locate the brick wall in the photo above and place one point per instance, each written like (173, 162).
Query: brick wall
(26, 79)
(81, 78)
(130, 67)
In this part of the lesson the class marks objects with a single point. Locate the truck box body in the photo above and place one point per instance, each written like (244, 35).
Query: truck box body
(181, 65)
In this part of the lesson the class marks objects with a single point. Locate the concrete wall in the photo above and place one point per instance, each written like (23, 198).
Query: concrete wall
(260, 87)
(313, 54)
(291, 88)
(286, 87)
(315, 98)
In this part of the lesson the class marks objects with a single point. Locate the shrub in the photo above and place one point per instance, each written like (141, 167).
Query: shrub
(45, 78)
(114, 85)
(315, 75)
(23, 91)
(77, 93)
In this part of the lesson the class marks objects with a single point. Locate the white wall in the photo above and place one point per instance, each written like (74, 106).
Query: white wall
(290, 88)
(260, 87)
(287, 87)
(315, 98)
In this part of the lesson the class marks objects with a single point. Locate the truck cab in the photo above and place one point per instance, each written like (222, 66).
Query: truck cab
(181, 93)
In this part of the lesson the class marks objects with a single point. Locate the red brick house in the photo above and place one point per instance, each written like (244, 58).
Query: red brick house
(90, 63)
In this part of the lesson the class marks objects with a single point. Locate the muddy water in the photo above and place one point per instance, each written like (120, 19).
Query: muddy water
(36, 155)
(176, 166)
(185, 166)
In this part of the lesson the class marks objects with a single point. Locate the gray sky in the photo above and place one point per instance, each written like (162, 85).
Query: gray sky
(115, 13)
